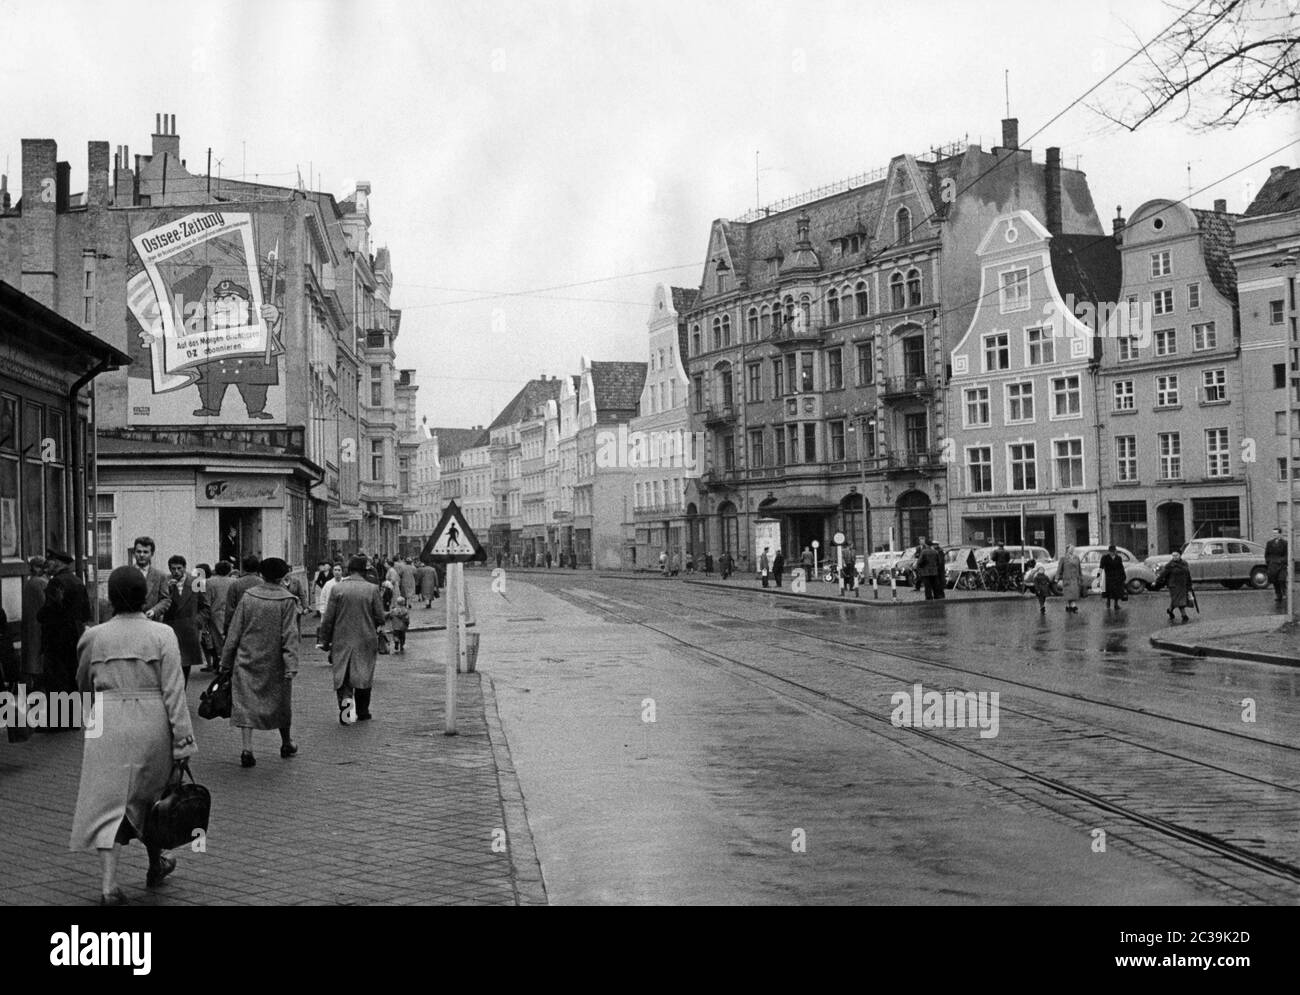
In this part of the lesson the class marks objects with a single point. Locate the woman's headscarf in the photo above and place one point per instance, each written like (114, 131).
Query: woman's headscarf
(127, 590)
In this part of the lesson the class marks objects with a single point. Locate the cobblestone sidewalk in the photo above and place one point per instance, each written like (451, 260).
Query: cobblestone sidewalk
(387, 812)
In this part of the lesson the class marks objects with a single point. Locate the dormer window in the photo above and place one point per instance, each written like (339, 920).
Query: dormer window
(722, 282)
(903, 226)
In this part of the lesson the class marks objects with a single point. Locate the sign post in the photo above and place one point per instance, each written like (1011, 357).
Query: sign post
(453, 543)
(839, 560)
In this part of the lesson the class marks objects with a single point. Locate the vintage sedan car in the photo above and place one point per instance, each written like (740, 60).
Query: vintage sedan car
(1138, 576)
(1233, 563)
(1022, 558)
(881, 563)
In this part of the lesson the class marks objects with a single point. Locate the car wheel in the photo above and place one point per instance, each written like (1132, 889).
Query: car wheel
(1259, 578)
(1233, 585)
(1135, 586)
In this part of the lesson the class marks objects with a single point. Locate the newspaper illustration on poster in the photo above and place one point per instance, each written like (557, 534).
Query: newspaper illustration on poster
(199, 301)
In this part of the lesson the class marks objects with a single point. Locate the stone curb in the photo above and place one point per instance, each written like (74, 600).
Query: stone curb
(866, 602)
(1198, 649)
(530, 885)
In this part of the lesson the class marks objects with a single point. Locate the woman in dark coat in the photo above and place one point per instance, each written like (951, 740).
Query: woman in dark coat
(134, 667)
(1113, 579)
(778, 566)
(261, 655)
(1178, 578)
(188, 614)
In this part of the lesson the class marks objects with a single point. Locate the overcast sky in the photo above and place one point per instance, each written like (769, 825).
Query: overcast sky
(518, 147)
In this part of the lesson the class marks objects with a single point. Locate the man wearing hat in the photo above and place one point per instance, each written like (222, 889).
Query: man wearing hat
(63, 618)
(229, 307)
(1275, 562)
(350, 631)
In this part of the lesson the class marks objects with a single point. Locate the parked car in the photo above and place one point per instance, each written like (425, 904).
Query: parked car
(1231, 562)
(882, 562)
(905, 568)
(1138, 576)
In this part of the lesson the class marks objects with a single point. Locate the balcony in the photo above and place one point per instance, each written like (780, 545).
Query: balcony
(907, 386)
(797, 333)
(914, 461)
(718, 480)
(720, 414)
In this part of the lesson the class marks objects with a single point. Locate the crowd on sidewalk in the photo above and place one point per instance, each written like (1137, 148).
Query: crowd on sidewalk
(244, 627)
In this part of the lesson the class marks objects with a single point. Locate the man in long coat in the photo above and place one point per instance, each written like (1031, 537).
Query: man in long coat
(428, 580)
(63, 619)
(251, 577)
(187, 611)
(350, 631)
(406, 580)
(930, 570)
(33, 598)
(1276, 564)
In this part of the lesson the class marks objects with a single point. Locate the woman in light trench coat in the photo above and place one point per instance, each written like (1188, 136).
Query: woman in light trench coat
(1071, 575)
(350, 631)
(143, 727)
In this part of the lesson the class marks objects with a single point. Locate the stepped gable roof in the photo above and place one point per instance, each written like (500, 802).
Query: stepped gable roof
(617, 388)
(1218, 236)
(1280, 192)
(452, 440)
(532, 394)
(1087, 267)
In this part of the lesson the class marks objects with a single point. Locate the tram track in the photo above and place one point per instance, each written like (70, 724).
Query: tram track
(852, 712)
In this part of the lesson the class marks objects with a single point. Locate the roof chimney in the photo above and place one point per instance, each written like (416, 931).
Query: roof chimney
(1052, 176)
(1277, 171)
(4, 192)
(1010, 133)
(97, 189)
(1117, 226)
(1221, 205)
(165, 139)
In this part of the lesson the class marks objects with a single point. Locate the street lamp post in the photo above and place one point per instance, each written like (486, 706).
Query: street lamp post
(867, 425)
(1292, 384)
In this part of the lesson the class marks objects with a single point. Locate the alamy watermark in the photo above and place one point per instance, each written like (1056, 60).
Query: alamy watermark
(922, 709)
(1101, 319)
(656, 449)
(53, 710)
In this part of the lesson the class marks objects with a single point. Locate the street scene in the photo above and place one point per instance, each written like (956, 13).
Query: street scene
(495, 456)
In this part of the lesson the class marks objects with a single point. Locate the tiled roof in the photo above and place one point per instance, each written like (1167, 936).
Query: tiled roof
(1087, 267)
(617, 387)
(348, 206)
(1280, 192)
(452, 440)
(1218, 236)
(533, 394)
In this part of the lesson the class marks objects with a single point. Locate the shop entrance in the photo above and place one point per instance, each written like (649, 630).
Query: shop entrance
(1076, 529)
(240, 532)
(1170, 532)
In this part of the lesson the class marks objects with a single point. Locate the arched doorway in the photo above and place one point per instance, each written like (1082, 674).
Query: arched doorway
(1171, 534)
(856, 528)
(728, 529)
(696, 544)
(913, 518)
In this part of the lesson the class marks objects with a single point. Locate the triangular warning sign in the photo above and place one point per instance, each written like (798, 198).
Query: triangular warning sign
(452, 541)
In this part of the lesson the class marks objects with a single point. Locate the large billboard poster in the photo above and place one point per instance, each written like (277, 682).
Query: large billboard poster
(205, 314)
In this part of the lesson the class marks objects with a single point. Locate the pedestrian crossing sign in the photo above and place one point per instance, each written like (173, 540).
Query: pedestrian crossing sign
(453, 541)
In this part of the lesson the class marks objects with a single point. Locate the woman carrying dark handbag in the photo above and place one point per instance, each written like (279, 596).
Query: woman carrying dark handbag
(181, 815)
(134, 666)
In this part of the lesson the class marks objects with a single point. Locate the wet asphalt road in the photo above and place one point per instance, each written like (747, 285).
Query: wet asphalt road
(677, 743)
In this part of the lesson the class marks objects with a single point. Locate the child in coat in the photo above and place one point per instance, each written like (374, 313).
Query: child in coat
(401, 621)
(1037, 579)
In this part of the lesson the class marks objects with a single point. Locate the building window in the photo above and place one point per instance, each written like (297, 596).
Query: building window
(977, 406)
(1215, 383)
(376, 459)
(722, 283)
(697, 343)
(913, 288)
(835, 369)
(832, 305)
(866, 362)
(1276, 311)
(914, 356)
(1163, 302)
(837, 440)
(1203, 336)
(997, 351)
(979, 469)
(1042, 347)
(1216, 453)
(1066, 397)
(778, 377)
(1166, 342)
(376, 386)
(1069, 463)
(1014, 289)
(756, 448)
(765, 322)
(1279, 376)
(404, 475)
(1167, 391)
(805, 312)
(1122, 398)
(1020, 402)
(1126, 462)
(1193, 297)
(717, 333)
(1128, 349)
(861, 300)
(1024, 468)
(1171, 456)
(726, 330)
(916, 433)
(729, 452)
(105, 530)
(903, 226)
(754, 388)
(697, 383)
(896, 299)
(727, 398)
(792, 445)
(806, 372)
(1160, 264)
